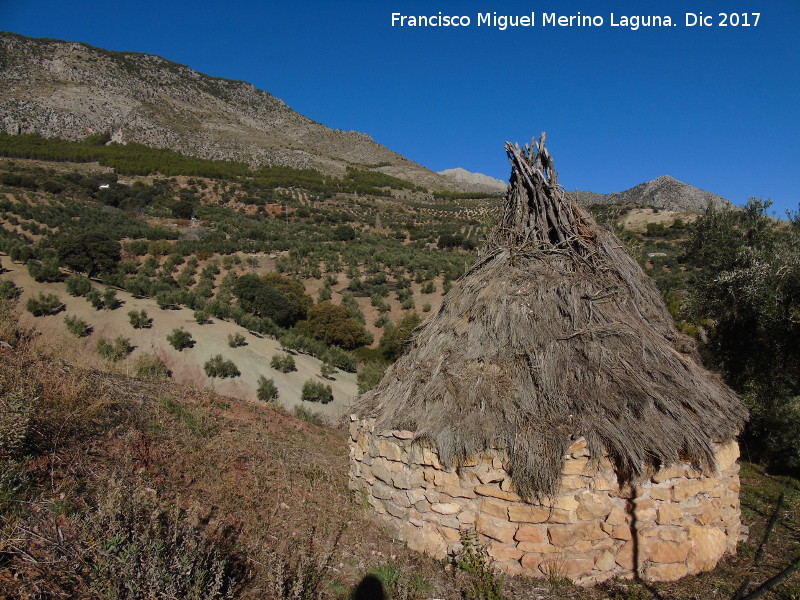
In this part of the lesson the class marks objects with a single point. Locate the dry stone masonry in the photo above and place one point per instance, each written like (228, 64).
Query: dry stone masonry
(677, 523)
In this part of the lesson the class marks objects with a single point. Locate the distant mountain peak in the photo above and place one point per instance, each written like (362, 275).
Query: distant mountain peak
(664, 192)
(470, 181)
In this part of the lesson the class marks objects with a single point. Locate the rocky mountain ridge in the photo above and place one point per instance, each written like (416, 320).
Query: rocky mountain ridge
(664, 192)
(474, 181)
(73, 90)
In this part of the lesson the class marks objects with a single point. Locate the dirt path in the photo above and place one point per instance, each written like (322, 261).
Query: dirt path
(186, 366)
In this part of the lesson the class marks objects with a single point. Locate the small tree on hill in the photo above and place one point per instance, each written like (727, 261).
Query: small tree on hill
(180, 338)
(217, 366)
(316, 391)
(89, 252)
(267, 390)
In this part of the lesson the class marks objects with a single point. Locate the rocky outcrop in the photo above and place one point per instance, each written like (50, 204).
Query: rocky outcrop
(72, 90)
(664, 193)
(474, 182)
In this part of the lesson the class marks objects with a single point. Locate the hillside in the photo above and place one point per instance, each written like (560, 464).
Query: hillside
(664, 192)
(72, 90)
(477, 182)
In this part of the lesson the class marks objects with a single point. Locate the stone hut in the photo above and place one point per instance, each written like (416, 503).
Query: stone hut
(552, 408)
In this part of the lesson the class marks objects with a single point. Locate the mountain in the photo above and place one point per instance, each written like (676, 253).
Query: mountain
(73, 90)
(664, 193)
(477, 182)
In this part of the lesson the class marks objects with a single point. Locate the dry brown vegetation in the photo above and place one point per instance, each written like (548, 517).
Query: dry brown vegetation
(109, 480)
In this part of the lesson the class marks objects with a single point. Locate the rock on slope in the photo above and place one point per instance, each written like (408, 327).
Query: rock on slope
(477, 182)
(665, 193)
(71, 90)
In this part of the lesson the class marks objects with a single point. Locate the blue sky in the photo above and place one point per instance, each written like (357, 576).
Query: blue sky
(716, 107)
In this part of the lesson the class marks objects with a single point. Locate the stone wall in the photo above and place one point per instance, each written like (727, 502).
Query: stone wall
(679, 522)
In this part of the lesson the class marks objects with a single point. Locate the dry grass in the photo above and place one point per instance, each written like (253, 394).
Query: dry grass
(242, 488)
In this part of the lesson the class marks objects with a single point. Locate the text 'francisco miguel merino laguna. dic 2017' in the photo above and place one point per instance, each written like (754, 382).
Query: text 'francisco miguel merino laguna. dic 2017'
(546, 19)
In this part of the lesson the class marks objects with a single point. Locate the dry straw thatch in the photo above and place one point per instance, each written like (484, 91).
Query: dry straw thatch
(555, 333)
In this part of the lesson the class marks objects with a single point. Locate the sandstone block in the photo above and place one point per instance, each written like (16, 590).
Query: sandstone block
(686, 489)
(446, 508)
(446, 479)
(449, 534)
(593, 506)
(727, 455)
(382, 491)
(503, 552)
(622, 532)
(427, 542)
(495, 508)
(390, 450)
(487, 474)
(577, 446)
(665, 572)
(624, 556)
(617, 516)
(531, 533)
(567, 535)
(575, 466)
(669, 473)
(502, 531)
(558, 515)
(534, 548)
(457, 491)
(429, 457)
(528, 514)
(492, 491)
(574, 482)
(569, 566)
(673, 534)
(531, 561)
(603, 483)
(660, 551)
(605, 562)
(661, 493)
(403, 435)
(668, 512)
(395, 510)
(466, 517)
(708, 546)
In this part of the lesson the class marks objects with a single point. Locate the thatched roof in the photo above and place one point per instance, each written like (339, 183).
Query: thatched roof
(555, 333)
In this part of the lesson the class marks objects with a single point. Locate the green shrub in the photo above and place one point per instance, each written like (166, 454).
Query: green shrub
(150, 366)
(77, 326)
(116, 350)
(267, 390)
(45, 304)
(217, 366)
(426, 307)
(283, 363)
(110, 301)
(140, 320)
(326, 370)
(180, 338)
(94, 299)
(45, 271)
(9, 290)
(236, 339)
(428, 288)
(309, 416)
(333, 325)
(202, 317)
(316, 391)
(370, 375)
(78, 285)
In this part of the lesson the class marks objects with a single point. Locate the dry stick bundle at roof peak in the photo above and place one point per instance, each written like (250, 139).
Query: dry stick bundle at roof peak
(555, 333)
